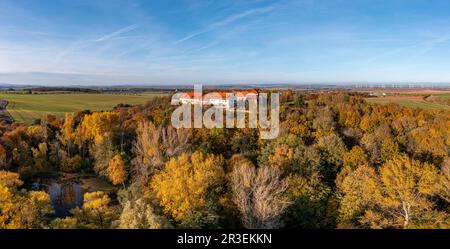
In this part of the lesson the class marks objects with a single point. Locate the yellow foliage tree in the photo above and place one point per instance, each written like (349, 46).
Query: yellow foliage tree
(97, 124)
(9, 179)
(68, 132)
(355, 157)
(116, 170)
(95, 212)
(282, 156)
(21, 209)
(182, 186)
(359, 187)
(400, 193)
(429, 139)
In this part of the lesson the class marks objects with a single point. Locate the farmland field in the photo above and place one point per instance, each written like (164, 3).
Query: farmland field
(441, 99)
(425, 100)
(411, 102)
(28, 107)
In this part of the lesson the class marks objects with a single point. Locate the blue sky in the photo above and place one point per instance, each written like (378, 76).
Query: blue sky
(68, 42)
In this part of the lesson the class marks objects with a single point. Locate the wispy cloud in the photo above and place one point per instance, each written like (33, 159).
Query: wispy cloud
(418, 49)
(191, 40)
(80, 44)
(227, 21)
(430, 44)
(117, 33)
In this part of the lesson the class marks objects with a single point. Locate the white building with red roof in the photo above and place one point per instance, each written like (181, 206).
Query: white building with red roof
(222, 99)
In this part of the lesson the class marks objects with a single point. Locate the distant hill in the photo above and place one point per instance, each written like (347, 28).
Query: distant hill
(15, 86)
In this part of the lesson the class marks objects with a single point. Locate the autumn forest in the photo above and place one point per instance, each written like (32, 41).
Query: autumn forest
(338, 162)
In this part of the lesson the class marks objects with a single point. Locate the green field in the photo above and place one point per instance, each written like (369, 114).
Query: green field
(443, 99)
(412, 103)
(29, 107)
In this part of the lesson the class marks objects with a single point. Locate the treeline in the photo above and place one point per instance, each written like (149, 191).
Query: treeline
(338, 162)
(46, 90)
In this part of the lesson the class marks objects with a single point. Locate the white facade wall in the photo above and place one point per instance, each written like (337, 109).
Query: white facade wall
(229, 102)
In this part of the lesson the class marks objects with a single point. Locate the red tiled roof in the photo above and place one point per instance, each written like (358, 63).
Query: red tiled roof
(224, 94)
(246, 92)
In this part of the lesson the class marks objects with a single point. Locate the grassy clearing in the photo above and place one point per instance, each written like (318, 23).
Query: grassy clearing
(28, 107)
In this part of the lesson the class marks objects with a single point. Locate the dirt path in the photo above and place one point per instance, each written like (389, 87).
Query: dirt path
(4, 114)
